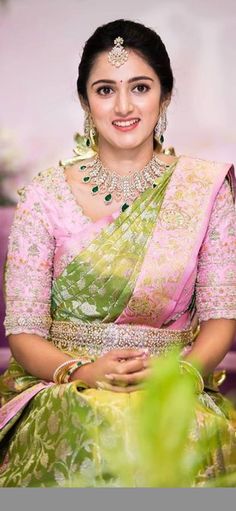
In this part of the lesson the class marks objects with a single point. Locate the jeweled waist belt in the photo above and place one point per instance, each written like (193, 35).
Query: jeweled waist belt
(98, 338)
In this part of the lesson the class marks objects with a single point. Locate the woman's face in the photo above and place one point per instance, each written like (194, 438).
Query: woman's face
(124, 102)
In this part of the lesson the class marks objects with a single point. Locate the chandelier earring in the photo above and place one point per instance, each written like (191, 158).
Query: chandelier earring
(160, 127)
(86, 144)
(90, 131)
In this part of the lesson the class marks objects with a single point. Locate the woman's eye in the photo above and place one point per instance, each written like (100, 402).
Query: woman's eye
(142, 88)
(104, 91)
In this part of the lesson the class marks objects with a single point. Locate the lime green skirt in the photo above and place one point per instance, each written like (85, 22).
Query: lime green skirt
(67, 437)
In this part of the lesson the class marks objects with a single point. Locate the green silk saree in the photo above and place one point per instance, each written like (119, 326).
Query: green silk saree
(64, 435)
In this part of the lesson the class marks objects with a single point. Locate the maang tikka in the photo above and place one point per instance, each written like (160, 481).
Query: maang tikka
(160, 127)
(118, 55)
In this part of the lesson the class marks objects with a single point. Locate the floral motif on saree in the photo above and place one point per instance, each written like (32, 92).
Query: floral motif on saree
(97, 284)
(138, 268)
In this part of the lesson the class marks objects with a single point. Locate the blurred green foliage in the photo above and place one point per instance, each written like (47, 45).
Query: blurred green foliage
(163, 447)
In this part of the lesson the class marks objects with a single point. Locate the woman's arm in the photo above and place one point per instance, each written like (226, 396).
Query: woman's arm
(28, 278)
(29, 273)
(212, 344)
(29, 266)
(44, 358)
(216, 285)
(38, 356)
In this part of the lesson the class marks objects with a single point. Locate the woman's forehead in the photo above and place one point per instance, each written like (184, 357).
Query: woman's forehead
(102, 69)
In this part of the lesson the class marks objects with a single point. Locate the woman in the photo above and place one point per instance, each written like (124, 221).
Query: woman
(114, 256)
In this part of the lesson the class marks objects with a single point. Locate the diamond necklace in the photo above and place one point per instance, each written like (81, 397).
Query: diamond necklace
(113, 185)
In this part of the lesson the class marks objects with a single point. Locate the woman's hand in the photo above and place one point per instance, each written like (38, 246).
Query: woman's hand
(118, 370)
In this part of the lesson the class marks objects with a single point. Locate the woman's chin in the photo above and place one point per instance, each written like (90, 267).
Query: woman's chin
(127, 144)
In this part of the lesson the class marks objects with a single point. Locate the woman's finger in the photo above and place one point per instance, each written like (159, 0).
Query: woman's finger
(128, 379)
(130, 366)
(127, 353)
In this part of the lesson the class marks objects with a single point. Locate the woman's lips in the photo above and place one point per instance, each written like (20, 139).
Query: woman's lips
(127, 128)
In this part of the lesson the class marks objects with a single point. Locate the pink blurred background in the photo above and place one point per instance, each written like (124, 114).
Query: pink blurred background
(40, 48)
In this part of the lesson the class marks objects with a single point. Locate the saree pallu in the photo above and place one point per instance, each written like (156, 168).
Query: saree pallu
(106, 297)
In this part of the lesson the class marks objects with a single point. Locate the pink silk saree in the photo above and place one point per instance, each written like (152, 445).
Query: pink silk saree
(160, 266)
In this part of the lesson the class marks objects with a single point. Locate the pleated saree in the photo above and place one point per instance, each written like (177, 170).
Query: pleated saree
(140, 278)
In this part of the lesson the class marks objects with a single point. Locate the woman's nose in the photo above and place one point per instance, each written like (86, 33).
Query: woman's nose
(123, 104)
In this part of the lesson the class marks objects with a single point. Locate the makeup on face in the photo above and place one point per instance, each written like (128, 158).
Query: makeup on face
(126, 124)
(124, 102)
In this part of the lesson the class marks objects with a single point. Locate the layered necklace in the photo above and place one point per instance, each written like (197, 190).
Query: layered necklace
(114, 186)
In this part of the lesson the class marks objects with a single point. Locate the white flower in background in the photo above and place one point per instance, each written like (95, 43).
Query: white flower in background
(9, 153)
(13, 168)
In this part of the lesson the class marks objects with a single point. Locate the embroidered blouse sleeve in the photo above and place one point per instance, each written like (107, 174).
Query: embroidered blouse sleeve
(28, 274)
(216, 277)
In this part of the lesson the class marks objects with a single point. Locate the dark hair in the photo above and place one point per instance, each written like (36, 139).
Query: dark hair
(143, 40)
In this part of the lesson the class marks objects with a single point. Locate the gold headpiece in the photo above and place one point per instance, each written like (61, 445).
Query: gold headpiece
(118, 55)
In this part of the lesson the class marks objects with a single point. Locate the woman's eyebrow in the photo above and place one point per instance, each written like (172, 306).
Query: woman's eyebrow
(134, 79)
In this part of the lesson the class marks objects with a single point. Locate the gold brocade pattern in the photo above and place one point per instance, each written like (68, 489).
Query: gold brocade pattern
(184, 211)
(67, 437)
(216, 275)
(60, 437)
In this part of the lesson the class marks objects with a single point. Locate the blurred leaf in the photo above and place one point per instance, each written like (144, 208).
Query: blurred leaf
(160, 443)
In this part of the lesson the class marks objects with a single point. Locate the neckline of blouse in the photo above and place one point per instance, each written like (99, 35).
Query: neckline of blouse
(71, 197)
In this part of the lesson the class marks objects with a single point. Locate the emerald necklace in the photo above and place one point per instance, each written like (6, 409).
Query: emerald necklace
(114, 186)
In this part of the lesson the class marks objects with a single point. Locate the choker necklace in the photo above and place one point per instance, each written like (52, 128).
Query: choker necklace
(113, 185)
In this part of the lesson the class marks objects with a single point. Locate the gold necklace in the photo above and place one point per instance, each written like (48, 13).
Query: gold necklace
(112, 185)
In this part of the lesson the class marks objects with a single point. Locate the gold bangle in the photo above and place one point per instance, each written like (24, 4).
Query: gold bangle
(63, 372)
(65, 375)
(73, 368)
(61, 368)
(191, 369)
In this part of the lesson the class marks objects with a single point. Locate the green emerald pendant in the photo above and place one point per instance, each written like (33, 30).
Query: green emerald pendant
(82, 167)
(108, 198)
(86, 179)
(95, 189)
(124, 207)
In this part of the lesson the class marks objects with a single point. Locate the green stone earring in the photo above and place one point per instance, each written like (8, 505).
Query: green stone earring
(160, 127)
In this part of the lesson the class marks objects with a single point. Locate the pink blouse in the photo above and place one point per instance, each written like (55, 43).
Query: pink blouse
(50, 228)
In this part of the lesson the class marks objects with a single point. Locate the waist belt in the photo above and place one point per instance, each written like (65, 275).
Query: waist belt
(98, 338)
